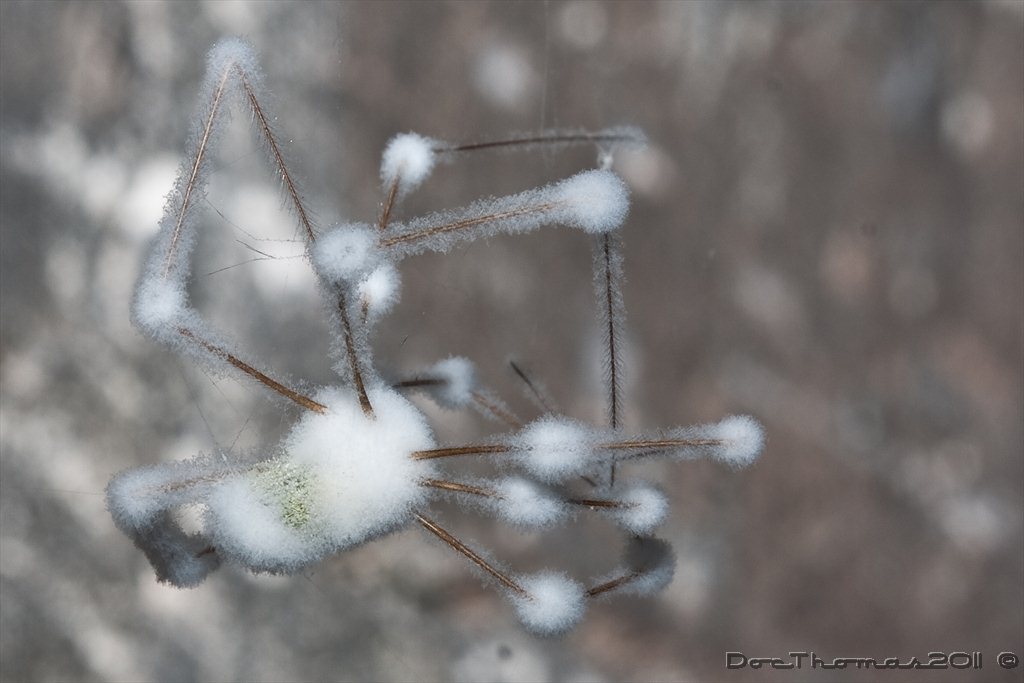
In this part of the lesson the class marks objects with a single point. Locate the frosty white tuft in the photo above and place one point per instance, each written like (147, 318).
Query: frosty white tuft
(379, 290)
(455, 382)
(642, 508)
(407, 161)
(360, 460)
(742, 440)
(159, 304)
(555, 448)
(346, 252)
(551, 604)
(595, 201)
(528, 504)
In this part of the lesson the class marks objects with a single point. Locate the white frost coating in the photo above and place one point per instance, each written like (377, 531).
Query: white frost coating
(177, 558)
(159, 305)
(138, 496)
(647, 508)
(140, 501)
(379, 290)
(554, 448)
(246, 526)
(458, 377)
(233, 52)
(346, 252)
(555, 603)
(344, 478)
(366, 482)
(135, 497)
(408, 158)
(595, 201)
(743, 439)
(528, 504)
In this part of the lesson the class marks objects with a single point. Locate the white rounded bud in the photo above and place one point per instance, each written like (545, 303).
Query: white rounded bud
(346, 252)
(554, 448)
(742, 440)
(408, 159)
(554, 603)
(595, 201)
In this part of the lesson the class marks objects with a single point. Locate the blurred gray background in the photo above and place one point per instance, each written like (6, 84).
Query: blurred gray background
(826, 233)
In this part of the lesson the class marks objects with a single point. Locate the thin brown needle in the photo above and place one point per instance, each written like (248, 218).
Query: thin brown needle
(458, 545)
(191, 184)
(539, 139)
(286, 177)
(304, 401)
(459, 487)
(483, 449)
(611, 585)
(389, 203)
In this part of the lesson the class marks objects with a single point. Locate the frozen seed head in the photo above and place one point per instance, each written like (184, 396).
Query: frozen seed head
(457, 378)
(554, 603)
(528, 504)
(553, 448)
(379, 289)
(408, 159)
(644, 509)
(595, 201)
(742, 440)
(346, 252)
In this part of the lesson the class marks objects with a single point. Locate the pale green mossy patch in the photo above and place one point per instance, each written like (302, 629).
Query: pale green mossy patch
(290, 486)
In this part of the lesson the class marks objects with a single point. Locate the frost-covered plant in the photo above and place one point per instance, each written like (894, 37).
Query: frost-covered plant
(361, 460)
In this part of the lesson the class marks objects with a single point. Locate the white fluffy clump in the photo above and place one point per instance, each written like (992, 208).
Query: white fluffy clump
(344, 478)
(594, 201)
(458, 382)
(379, 290)
(160, 304)
(554, 448)
(137, 496)
(554, 604)
(644, 509)
(367, 482)
(231, 52)
(140, 502)
(346, 252)
(247, 523)
(408, 158)
(180, 559)
(528, 504)
(742, 437)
